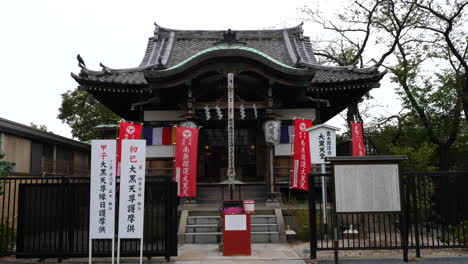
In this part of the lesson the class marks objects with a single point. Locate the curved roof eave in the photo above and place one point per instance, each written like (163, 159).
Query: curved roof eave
(223, 51)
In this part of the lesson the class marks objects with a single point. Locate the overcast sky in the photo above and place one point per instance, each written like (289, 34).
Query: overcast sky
(39, 41)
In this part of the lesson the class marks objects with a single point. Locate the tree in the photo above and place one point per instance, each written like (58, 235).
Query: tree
(447, 21)
(5, 169)
(83, 113)
(401, 28)
(39, 127)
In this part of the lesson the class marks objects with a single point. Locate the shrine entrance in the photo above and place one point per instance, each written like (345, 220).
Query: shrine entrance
(213, 153)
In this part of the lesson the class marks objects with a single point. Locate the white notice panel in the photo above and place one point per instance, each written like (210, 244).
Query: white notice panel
(322, 144)
(101, 205)
(132, 189)
(235, 222)
(367, 188)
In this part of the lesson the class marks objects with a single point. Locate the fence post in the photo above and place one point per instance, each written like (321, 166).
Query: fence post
(404, 217)
(312, 219)
(415, 213)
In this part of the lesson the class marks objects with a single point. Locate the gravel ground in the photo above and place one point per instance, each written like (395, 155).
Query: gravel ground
(302, 250)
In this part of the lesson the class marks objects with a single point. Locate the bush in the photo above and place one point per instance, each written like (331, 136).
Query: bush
(301, 216)
(7, 238)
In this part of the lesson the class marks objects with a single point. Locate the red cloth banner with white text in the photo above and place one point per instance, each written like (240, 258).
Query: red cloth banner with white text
(126, 131)
(185, 172)
(301, 155)
(358, 140)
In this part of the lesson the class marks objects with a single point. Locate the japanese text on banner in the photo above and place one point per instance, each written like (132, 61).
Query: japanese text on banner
(132, 189)
(126, 131)
(102, 189)
(358, 140)
(186, 161)
(301, 155)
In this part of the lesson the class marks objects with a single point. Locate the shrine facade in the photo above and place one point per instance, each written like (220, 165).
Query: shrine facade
(183, 79)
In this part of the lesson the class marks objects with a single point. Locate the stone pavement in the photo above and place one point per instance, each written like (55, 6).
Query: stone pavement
(261, 253)
(427, 260)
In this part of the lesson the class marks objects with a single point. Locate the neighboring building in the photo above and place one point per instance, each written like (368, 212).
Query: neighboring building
(183, 75)
(35, 152)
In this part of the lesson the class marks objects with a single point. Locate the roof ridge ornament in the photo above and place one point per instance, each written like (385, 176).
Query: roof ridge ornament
(230, 38)
(81, 62)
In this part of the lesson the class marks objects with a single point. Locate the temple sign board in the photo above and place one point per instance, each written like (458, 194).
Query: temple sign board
(367, 184)
(322, 139)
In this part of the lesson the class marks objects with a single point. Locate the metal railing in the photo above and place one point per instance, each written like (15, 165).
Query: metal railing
(43, 217)
(437, 206)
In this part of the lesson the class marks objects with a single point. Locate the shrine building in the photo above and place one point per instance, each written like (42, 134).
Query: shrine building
(183, 79)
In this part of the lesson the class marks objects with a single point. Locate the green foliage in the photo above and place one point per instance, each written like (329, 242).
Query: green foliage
(301, 217)
(82, 113)
(5, 169)
(419, 158)
(8, 234)
(456, 234)
(39, 127)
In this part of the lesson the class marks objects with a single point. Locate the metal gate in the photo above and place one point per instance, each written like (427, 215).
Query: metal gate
(437, 206)
(53, 219)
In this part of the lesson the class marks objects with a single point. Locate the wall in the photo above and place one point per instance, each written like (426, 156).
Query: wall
(80, 163)
(17, 150)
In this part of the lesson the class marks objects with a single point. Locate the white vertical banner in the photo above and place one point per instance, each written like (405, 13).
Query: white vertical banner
(102, 190)
(132, 189)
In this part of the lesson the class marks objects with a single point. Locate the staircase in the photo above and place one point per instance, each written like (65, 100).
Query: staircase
(213, 193)
(204, 227)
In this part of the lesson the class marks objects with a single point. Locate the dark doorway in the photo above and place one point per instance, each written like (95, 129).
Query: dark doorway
(214, 144)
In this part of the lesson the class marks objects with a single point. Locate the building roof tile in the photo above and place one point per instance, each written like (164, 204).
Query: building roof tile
(169, 48)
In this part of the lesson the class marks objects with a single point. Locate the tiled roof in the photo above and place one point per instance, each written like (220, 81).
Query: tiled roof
(169, 48)
(173, 46)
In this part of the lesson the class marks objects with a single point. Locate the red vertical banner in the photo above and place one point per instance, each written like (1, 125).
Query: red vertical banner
(126, 131)
(358, 140)
(185, 172)
(301, 155)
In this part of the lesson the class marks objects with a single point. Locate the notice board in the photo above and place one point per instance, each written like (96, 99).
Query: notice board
(367, 188)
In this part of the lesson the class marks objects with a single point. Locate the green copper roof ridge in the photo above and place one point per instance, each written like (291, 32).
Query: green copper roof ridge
(230, 47)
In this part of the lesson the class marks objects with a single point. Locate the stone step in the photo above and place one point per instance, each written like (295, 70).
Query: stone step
(203, 238)
(202, 228)
(263, 227)
(216, 237)
(203, 220)
(263, 219)
(266, 237)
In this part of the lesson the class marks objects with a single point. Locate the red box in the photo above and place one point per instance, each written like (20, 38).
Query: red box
(236, 242)
(236, 229)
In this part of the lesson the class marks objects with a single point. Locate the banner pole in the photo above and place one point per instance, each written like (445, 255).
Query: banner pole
(90, 250)
(141, 251)
(113, 249)
(118, 250)
(324, 194)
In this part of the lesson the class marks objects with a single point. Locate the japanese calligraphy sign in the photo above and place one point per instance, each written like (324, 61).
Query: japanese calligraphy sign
(301, 155)
(186, 161)
(101, 212)
(132, 189)
(230, 129)
(272, 131)
(127, 131)
(358, 140)
(322, 143)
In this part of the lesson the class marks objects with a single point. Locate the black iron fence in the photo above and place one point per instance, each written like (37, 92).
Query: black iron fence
(437, 206)
(45, 217)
